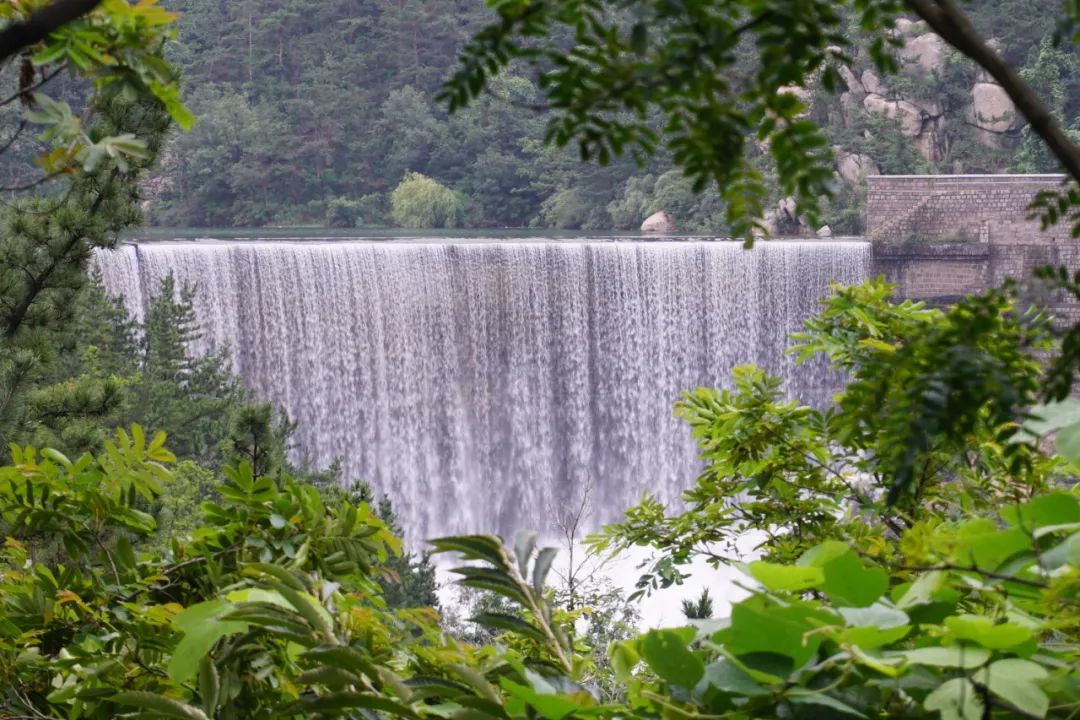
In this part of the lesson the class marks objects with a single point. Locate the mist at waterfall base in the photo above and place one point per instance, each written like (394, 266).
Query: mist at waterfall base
(481, 385)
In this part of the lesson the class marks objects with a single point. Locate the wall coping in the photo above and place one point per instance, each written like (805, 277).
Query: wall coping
(957, 179)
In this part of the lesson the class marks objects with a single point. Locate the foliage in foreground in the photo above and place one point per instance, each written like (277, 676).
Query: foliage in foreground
(961, 602)
(271, 611)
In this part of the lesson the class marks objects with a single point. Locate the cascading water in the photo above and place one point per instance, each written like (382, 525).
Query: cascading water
(480, 384)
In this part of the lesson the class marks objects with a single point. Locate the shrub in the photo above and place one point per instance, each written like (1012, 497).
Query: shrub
(342, 212)
(420, 202)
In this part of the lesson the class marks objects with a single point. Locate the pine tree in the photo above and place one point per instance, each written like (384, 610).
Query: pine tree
(699, 609)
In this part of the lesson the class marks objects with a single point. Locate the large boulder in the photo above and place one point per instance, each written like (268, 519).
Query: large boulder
(909, 115)
(992, 109)
(924, 54)
(905, 27)
(659, 223)
(873, 84)
(853, 167)
(854, 84)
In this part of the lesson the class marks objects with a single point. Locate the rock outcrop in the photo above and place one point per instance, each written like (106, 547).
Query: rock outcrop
(931, 119)
(784, 218)
(924, 54)
(909, 114)
(853, 167)
(659, 223)
(873, 84)
(922, 116)
(992, 109)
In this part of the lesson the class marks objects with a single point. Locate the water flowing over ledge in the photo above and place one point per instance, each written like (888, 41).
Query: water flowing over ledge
(480, 384)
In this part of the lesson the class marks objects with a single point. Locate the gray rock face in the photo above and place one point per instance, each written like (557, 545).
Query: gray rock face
(909, 115)
(873, 84)
(853, 83)
(992, 109)
(929, 142)
(924, 54)
(659, 223)
(853, 167)
(906, 27)
(824, 232)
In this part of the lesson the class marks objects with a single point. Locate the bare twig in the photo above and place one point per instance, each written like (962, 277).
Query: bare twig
(31, 185)
(22, 92)
(15, 136)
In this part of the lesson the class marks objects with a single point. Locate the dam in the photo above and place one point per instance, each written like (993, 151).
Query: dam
(481, 383)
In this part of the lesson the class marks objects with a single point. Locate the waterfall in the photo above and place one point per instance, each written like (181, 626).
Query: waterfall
(480, 384)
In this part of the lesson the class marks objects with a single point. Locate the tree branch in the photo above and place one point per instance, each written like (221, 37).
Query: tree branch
(971, 569)
(39, 25)
(949, 21)
(22, 92)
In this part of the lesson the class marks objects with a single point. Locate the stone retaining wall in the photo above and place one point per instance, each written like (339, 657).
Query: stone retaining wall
(939, 237)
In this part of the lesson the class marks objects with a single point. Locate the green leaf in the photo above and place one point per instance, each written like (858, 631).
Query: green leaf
(541, 568)
(848, 582)
(1015, 681)
(955, 699)
(874, 626)
(987, 546)
(209, 683)
(727, 677)
(624, 658)
(202, 627)
(1067, 442)
(160, 705)
(337, 702)
(984, 631)
(788, 578)
(761, 626)
(344, 658)
(958, 656)
(493, 579)
(668, 654)
(822, 554)
(813, 698)
(1057, 508)
(472, 547)
(877, 615)
(524, 545)
(923, 591)
(549, 706)
(509, 623)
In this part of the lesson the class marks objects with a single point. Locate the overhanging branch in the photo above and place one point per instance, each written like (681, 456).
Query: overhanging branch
(948, 20)
(37, 27)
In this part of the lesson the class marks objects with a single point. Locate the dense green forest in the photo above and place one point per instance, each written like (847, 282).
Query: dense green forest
(314, 113)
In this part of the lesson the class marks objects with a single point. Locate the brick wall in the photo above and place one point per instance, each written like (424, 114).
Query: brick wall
(939, 237)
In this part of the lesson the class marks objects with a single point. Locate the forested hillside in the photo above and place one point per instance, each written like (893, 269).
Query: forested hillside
(313, 113)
